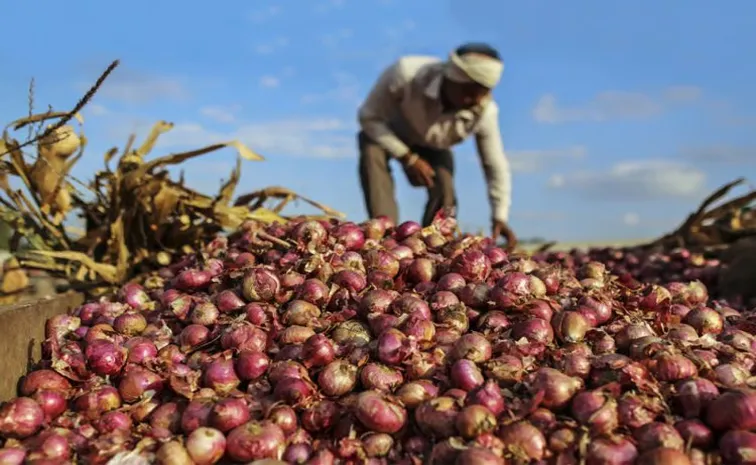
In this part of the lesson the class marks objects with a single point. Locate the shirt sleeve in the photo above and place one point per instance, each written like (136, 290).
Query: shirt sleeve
(378, 108)
(495, 163)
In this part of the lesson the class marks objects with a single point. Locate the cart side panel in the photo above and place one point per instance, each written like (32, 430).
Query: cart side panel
(22, 329)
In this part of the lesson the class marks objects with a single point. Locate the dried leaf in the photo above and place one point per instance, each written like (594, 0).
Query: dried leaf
(15, 278)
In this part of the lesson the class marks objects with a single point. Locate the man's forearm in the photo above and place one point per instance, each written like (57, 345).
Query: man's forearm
(497, 172)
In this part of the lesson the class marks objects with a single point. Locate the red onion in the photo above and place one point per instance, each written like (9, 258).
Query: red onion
(472, 265)
(284, 417)
(379, 412)
(337, 378)
(104, 358)
(618, 451)
(167, 417)
(437, 417)
(318, 351)
(251, 365)
(20, 417)
(12, 456)
(694, 396)
(475, 420)
(220, 376)
(558, 389)
(466, 375)
(663, 456)
(206, 446)
(525, 438)
(733, 410)
(53, 403)
(229, 413)
(137, 382)
(44, 380)
(737, 447)
(260, 285)
(255, 441)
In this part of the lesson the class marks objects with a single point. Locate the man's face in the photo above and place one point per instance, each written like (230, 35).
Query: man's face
(462, 96)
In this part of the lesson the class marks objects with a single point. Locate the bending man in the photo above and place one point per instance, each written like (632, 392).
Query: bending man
(420, 108)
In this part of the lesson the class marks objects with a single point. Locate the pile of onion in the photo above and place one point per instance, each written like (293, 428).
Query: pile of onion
(321, 342)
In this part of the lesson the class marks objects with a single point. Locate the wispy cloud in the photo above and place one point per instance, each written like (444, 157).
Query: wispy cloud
(347, 89)
(271, 46)
(400, 30)
(534, 160)
(724, 153)
(220, 113)
(631, 219)
(316, 137)
(613, 105)
(270, 81)
(264, 14)
(333, 39)
(96, 109)
(133, 87)
(328, 5)
(635, 180)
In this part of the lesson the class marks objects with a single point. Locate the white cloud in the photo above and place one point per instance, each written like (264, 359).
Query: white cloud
(335, 38)
(313, 137)
(726, 154)
(400, 30)
(683, 93)
(635, 180)
(347, 89)
(132, 87)
(269, 81)
(264, 14)
(631, 219)
(329, 5)
(540, 215)
(95, 109)
(221, 114)
(533, 160)
(612, 105)
(270, 47)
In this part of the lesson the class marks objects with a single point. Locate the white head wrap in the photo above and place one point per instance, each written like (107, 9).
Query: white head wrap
(474, 67)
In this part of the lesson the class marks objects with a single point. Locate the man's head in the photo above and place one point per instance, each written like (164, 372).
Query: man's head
(472, 71)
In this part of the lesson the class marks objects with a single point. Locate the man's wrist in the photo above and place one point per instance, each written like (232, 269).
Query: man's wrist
(409, 159)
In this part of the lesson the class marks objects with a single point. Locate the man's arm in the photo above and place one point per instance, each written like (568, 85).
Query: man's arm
(378, 107)
(495, 163)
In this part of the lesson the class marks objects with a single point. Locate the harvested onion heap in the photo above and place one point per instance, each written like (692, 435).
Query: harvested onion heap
(643, 265)
(353, 344)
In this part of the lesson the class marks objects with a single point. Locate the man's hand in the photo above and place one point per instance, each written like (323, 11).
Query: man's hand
(501, 228)
(418, 171)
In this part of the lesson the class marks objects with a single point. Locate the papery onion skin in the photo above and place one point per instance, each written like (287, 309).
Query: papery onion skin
(380, 413)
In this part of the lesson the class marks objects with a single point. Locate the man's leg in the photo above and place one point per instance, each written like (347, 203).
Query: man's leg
(376, 179)
(442, 194)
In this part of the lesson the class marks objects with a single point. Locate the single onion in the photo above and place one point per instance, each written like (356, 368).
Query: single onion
(255, 441)
(379, 413)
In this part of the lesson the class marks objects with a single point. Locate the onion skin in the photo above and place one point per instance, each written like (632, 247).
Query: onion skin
(528, 439)
(663, 456)
(733, 410)
(255, 441)
(737, 447)
(20, 418)
(379, 413)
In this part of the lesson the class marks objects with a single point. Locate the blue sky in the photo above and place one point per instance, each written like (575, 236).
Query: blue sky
(618, 117)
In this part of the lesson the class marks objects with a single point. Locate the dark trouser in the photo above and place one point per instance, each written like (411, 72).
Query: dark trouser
(378, 182)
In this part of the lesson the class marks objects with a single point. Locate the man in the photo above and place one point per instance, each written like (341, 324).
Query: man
(421, 107)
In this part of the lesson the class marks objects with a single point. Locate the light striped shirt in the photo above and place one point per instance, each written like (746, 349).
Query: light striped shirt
(404, 109)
